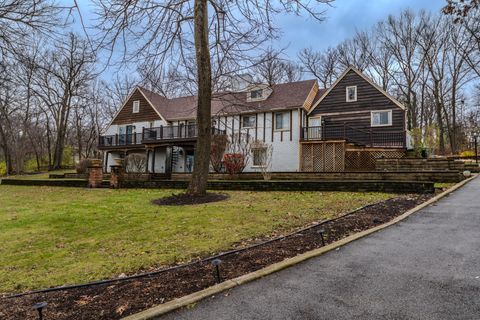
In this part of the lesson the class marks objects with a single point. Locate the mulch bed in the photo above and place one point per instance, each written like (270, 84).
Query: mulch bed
(183, 199)
(114, 300)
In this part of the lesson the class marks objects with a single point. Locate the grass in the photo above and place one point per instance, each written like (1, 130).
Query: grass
(56, 236)
(443, 185)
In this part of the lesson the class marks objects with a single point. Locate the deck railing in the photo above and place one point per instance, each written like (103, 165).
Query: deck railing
(359, 136)
(149, 135)
(170, 132)
(117, 140)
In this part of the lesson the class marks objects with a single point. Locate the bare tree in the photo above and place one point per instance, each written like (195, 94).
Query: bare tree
(177, 30)
(20, 18)
(62, 78)
(272, 69)
(322, 65)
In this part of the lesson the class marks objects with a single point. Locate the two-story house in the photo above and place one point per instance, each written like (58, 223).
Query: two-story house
(309, 129)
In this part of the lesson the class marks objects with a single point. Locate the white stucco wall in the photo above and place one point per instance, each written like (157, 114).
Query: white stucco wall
(285, 154)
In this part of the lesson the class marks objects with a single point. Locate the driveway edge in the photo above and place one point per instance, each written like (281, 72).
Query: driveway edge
(197, 296)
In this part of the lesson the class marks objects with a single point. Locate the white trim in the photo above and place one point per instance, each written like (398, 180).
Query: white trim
(346, 94)
(314, 117)
(395, 101)
(136, 106)
(390, 112)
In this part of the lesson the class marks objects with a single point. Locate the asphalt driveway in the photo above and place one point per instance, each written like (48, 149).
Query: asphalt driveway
(425, 267)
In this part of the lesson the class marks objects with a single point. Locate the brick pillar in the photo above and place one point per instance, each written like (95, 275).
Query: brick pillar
(95, 174)
(116, 176)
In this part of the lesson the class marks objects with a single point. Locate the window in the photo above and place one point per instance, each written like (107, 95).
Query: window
(282, 121)
(352, 94)
(256, 94)
(259, 156)
(248, 121)
(136, 106)
(381, 118)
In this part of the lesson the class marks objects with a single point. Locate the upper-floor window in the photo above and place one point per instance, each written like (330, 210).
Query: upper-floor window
(256, 94)
(282, 121)
(352, 94)
(136, 106)
(248, 121)
(381, 118)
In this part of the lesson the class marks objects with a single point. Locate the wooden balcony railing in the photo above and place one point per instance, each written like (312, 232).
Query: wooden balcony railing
(359, 136)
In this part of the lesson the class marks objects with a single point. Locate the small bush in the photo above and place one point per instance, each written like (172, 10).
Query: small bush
(136, 163)
(3, 168)
(467, 153)
(234, 163)
(82, 166)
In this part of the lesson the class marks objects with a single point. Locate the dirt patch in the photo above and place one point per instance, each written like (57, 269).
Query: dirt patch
(114, 300)
(186, 199)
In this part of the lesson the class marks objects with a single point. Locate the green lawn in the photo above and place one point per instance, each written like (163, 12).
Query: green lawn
(56, 236)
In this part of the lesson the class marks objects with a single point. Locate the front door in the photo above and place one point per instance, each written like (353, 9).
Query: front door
(314, 128)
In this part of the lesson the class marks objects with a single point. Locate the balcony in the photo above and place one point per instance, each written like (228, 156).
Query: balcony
(154, 135)
(120, 140)
(359, 136)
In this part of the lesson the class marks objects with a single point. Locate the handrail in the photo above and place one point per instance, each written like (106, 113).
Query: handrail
(189, 131)
(359, 136)
(115, 140)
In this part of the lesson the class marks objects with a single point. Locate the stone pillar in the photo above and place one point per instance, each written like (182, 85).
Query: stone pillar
(116, 176)
(95, 174)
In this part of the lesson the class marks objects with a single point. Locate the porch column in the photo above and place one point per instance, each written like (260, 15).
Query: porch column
(153, 160)
(168, 160)
(147, 153)
(105, 164)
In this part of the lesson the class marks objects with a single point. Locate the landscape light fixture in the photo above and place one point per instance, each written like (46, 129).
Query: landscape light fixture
(39, 307)
(216, 263)
(321, 232)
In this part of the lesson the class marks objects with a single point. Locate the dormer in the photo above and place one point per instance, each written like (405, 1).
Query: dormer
(258, 92)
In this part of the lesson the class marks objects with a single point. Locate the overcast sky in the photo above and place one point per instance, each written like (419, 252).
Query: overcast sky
(343, 19)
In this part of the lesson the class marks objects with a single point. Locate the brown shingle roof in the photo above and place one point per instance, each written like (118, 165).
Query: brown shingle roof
(284, 96)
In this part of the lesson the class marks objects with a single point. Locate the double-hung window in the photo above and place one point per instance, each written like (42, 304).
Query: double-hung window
(248, 121)
(282, 121)
(381, 118)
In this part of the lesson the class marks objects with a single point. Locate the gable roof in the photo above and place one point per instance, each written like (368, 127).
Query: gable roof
(351, 68)
(284, 96)
(139, 89)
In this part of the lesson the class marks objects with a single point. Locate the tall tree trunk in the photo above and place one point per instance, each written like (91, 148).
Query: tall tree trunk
(198, 184)
(6, 152)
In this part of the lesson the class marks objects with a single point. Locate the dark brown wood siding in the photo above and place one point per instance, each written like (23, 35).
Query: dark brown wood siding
(146, 113)
(357, 113)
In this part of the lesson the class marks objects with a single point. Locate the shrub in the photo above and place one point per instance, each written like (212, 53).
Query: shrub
(82, 166)
(3, 168)
(136, 163)
(234, 163)
(467, 153)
